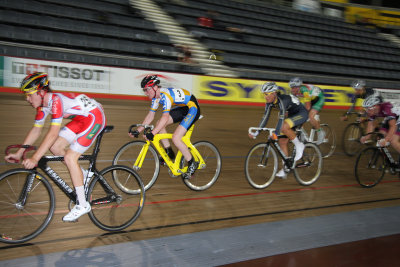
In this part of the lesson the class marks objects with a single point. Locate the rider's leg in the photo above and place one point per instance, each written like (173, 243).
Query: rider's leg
(71, 160)
(59, 149)
(287, 130)
(283, 143)
(314, 122)
(177, 140)
(396, 142)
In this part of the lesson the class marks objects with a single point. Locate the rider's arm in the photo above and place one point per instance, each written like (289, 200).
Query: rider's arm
(264, 119)
(281, 118)
(392, 130)
(161, 123)
(47, 142)
(30, 138)
(147, 120)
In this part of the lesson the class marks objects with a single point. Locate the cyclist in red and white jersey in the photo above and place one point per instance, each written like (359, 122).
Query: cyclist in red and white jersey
(87, 121)
(390, 126)
(178, 105)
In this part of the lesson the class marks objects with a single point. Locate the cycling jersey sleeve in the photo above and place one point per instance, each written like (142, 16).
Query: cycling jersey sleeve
(281, 119)
(265, 118)
(41, 114)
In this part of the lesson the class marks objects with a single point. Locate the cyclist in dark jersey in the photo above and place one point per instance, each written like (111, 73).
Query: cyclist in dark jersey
(291, 114)
(360, 91)
(376, 108)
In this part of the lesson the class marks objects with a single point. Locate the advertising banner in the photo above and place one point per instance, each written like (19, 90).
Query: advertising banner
(63, 76)
(248, 91)
(87, 78)
(112, 82)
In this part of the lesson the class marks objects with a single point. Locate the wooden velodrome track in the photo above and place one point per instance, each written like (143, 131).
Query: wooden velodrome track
(171, 208)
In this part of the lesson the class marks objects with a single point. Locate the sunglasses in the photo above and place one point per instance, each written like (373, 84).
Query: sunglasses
(269, 93)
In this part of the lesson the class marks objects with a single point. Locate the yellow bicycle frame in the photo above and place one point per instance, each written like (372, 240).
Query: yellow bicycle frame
(172, 165)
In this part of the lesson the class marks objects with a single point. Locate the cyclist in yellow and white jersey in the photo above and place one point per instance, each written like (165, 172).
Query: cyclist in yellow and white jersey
(178, 105)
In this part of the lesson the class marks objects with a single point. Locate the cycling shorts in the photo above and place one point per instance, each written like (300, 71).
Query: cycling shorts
(186, 115)
(297, 119)
(318, 103)
(81, 131)
(385, 127)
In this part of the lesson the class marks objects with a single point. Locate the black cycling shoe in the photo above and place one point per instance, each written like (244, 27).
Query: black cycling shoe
(170, 153)
(192, 167)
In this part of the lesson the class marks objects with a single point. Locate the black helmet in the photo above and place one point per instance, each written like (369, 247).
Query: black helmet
(34, 82)
(150, 81)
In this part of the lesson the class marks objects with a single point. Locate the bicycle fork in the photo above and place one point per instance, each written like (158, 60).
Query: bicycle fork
(25, 191)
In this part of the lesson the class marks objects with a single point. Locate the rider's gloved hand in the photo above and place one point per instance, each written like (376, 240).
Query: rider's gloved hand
(135, 133)
(150, 136)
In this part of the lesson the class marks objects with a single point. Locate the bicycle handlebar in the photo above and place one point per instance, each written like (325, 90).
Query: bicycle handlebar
(253, 130)
(27, 149)
(146, 127)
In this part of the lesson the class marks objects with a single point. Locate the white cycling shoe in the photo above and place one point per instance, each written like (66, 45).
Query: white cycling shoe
(299, 151)
(77, 212)
(321, 137)
(281, 174)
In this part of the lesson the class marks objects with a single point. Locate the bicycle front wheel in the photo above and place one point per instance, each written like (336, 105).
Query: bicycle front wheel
(328, 146)
(370, 167)
(114, 209)
(308, 169)
(20, 222)
(261, 165)
(205, 176)
(149, 171)
(351, 139)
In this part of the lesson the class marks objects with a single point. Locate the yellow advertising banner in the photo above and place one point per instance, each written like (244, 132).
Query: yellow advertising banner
(247, 92)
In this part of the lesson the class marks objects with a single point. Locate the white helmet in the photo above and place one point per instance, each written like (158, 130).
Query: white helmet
(372, 100)
(358, 84)
(295, 82)
(269, 87)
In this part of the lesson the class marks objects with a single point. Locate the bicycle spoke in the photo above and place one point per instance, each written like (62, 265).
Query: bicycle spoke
(113, 208)
(21, 223)
(261, 166)
(149, 170)
(370, 167)
(205, 176)
(308, 169)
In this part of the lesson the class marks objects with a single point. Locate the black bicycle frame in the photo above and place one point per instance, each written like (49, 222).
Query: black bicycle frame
(288, 160)
(68, 191)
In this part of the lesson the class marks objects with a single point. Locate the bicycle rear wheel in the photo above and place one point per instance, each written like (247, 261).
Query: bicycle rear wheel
(308, 169)
(149, 171)
(370, 167)
(22, 222)
(205, 176)
(328, 146)
(261, 165)
(114, 209)
(351, 139)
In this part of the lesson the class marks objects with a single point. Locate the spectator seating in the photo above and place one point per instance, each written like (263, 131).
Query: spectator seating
(289, 41)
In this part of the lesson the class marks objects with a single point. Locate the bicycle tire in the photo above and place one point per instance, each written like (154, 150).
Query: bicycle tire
(351, 139)
(117, 210)
(205, 176)
(328, 146)
(308, 169)
(370, 167)
(259, 170)
(20, 224)
(150, 169)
